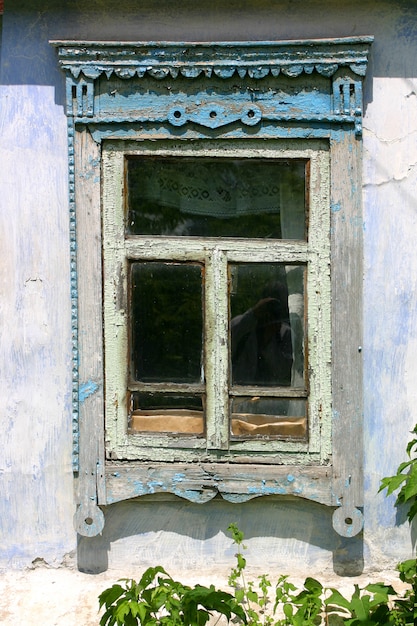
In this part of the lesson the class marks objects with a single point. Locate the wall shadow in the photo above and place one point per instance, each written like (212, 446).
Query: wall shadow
(294, 528)
(28, 59)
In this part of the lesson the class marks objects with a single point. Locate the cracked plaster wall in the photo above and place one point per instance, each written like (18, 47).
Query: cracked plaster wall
(36, 504)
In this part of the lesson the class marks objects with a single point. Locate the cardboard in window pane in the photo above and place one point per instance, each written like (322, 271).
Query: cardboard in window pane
(269, 417)
(167, 413)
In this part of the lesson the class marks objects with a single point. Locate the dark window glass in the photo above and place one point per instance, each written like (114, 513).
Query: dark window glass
(267, 324)
(166, 322)
(201, 197)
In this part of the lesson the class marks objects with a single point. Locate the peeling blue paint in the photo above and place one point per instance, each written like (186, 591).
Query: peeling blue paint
(87, 389)
(356, 221)
(267, 491)
(155, 485)
(138, 487)
(336, 207)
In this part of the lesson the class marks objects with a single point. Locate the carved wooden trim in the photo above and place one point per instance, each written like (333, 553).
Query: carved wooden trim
(202, 482)
(344, 61)
(319, 83)
(255, 60)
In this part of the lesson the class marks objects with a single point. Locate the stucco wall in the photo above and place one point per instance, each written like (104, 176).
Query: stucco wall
(36, 490)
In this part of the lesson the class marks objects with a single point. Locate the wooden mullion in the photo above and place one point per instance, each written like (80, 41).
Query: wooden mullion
(216, 351)
(166, 387)
(275, 392)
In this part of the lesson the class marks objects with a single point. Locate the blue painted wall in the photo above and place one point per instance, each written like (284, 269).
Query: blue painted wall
(36, 486)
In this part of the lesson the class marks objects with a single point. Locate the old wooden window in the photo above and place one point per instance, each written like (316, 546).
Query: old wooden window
(215, 216)
(217, 301)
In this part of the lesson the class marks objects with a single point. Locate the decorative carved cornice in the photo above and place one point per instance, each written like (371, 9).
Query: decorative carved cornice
(255, 60)
(342, 61)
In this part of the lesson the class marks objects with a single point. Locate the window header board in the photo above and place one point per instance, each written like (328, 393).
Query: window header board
(318, 81)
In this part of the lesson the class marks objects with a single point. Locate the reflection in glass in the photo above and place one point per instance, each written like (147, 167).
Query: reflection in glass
(251, 198)
(267, 332)
(166, 321)
(268, 417)
(167, 413)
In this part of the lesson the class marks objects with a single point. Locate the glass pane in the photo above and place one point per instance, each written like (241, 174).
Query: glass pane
(269, 417)
(167, 413)
(216, 197)
(166, 322)
(267, 324)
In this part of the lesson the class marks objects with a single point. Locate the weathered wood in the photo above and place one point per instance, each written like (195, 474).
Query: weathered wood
(217, 350)
(256, 59)
(216, 254)
(347, 230)
(202, 482)
(172, 387)
(282, 392)
(238, 251)
(90, 346)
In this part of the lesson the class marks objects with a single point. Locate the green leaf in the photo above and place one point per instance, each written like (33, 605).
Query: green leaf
(412, 511)
(410, 487)
(122, 610)
(237, 534)
(252, 596)
(392, 483)
(108, 596)
(313, 585)
(129, 620)
(142, 612)
(411, 445)
(408, 570)
(339, 601)
(381, 592)
(135, 608)
(149, 576)
(240, 595)
(361, 606)
(108, 618)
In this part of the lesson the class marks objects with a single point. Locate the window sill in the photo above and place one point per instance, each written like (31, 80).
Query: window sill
(201, 482)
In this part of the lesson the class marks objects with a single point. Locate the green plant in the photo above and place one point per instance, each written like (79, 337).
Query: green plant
(374, 605)
(405, 479)
(159, 600)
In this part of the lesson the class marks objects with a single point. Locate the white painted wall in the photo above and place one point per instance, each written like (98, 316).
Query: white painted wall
(36, 501)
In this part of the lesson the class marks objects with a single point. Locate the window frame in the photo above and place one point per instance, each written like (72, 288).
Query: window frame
(108, 99)
(215, 255)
